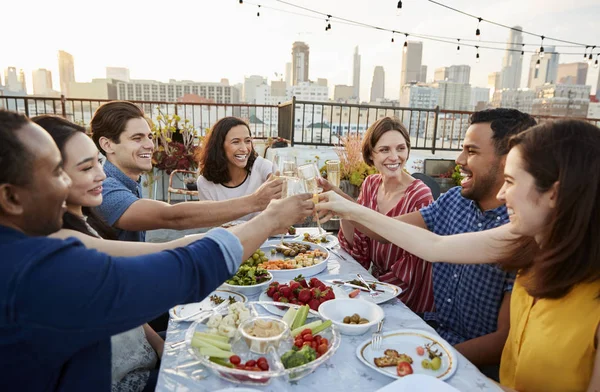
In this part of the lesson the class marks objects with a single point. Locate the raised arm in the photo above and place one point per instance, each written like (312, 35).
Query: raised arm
(468, 248)
(146, 214)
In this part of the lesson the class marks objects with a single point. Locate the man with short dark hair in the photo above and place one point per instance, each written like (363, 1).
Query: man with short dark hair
(122, 134)
(61, 302)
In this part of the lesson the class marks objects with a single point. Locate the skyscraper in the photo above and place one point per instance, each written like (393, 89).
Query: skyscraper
(356, 74)
(250, 85)
(21, 79)
(572, 73)
(512, 62)
(423, 74)
(288, 74)
(378, 84)
(300, 55)
(544, 72)
(11, 80)
(411, 63)
(42, 82)
(66, 71)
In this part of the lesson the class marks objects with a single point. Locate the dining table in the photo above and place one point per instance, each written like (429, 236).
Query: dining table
(181, 371)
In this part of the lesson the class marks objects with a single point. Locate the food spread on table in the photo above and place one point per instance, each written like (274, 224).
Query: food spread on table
(250, 273)
(355, 319)
(302, 255)
(317, 239)
(215, 299)
(299, 292)
(404, 362)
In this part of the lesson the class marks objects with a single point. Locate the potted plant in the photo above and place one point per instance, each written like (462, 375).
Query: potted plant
(353, 169)
(174, 143)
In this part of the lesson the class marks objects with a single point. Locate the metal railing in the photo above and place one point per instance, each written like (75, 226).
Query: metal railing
(302, 122)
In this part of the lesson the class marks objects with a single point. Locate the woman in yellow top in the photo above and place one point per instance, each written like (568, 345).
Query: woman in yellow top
(552, 193)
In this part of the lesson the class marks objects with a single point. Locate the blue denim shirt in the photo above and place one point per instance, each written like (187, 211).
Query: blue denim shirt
(60, 303)
(119, 192)
(467, 296)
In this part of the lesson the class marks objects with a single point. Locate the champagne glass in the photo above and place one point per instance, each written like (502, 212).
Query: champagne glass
(333, 176)
(286, 166)
(310, 174)
(291, 186)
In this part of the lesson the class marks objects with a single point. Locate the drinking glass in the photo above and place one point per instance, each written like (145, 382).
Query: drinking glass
(286, 166)
(310, 174)
(333, 176)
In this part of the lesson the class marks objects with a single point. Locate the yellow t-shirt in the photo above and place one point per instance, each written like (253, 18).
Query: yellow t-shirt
(551, 344)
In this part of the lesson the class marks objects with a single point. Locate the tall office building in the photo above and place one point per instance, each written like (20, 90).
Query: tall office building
(378, 84)
(572, 73)
(300, 57)
(411, 63)
(14, 81)
(512, 62)
(118, 73)
(42, 82)
(250, 85)
(66, 71)
(543, 70)
(423, 74)
(356, 74)
(453, 73)
(288, 74)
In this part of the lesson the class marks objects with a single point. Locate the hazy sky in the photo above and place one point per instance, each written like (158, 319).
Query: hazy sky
(206, 40)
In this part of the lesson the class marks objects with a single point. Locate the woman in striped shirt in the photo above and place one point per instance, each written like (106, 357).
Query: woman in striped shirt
(393, 192)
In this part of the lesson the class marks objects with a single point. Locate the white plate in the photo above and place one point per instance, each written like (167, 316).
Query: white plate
(406, 341)
(418, 383)
(390, 291)
(263, 297)
(292, 273)
(331, 240)
(182, 311)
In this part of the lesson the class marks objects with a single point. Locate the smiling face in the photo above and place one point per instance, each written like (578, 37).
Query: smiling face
(133, 153)
(528, 209)
(480, 165)
(238, 146)
(390, 154)
(84, 166)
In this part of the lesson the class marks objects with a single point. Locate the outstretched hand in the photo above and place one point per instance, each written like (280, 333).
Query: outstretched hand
(331, 203)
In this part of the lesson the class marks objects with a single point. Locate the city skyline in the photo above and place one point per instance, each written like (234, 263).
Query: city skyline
(273, 33)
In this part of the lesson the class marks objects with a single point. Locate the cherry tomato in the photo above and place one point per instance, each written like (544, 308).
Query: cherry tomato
(235, 360)
(420, 351)
(314, 345)
(298, 343)
(305, 331)
(325, 341)
(307, 344)
(307, 338)
(322, 349)
(317, 338)
(263, 365)
(261, 359)
(251, 363)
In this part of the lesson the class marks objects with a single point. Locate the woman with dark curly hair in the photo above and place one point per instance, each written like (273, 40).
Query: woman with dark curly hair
(229, 166)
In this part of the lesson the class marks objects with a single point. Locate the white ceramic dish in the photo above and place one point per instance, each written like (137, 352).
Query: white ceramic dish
(389, 291)
(336, 309)
(292, 273)
(248, 290)
(418, 383)
(331, 240)
(406, 341)
(185, 310)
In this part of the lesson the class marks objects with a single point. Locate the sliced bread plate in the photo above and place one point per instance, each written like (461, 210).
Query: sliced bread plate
(405, 342)
(186, 310)
(287, 274)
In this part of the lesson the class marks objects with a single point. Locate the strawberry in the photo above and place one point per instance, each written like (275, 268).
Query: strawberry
(304, 296)
(271, 290)
(315, 293)
(300, 279)
(283, 300)
(295, 285)
(314, 304)
(294, 301)
(276, 296)
(286, 292)
(314, 282)
(274, 284)
(329, 294)
(404, 369)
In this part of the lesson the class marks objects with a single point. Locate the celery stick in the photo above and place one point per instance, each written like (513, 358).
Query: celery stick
(200, 343)
(221, 361)
(215, 352)
(215, 343)
(321, 327)
(296, 332)
(289, 316)
(211, 336)
(301, 316)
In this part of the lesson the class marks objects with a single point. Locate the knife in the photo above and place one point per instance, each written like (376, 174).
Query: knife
(342, 283)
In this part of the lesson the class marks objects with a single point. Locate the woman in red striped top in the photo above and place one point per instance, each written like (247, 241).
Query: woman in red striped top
(394, 192)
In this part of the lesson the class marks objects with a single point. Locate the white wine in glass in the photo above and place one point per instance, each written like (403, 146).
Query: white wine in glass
(333, 172)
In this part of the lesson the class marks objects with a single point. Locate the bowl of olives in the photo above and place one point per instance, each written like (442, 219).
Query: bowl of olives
(351, 316)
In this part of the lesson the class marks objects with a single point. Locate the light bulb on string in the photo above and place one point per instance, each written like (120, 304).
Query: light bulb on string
(522, 51)
(478, 32)
(399, 8)
(541, 51)
(590, 60)
(241, 1)
(477, 55)
(258, 12)
(585, 52)
(458, 47)
(393, 36)
(596, 63)
(405, 48)
(537, 64)
(328, 24)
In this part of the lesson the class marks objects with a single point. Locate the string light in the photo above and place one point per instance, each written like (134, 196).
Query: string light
(393, 36)
(585, 52)
(458, 47)
(590, 56)
(542, 48)
(537, 64)
(477, 55)
(522, 51)
(328, 27)
(405, 48)
(241, 1)
(399, 8)
(596, 63)
(478, 32)
(258, 12)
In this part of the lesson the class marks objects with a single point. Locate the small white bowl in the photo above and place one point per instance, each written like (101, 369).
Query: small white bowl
(250, 290)
(336, 309)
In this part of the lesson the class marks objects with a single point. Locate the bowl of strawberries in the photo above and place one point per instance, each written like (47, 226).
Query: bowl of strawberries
(298, 291)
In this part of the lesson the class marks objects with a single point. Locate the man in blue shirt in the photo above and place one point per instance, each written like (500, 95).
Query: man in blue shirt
(122, 134)
(472, 301)
(61, 302)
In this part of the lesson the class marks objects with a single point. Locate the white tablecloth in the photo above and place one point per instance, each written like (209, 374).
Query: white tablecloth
(181, 372)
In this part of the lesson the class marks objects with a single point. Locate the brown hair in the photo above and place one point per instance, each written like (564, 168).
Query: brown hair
(376, 130)
(505, 123)
(566, 152)
(110, 120)
(213, 162)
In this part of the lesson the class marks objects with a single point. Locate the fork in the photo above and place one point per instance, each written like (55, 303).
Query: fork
(377, 337)
(371, 291)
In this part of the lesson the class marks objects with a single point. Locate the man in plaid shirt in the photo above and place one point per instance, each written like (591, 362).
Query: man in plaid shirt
(472, 301)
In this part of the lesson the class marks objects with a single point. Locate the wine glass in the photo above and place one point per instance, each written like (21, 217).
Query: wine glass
(311, 175)
(286, 166)
(333, 176)
(291, 186)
